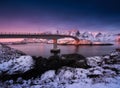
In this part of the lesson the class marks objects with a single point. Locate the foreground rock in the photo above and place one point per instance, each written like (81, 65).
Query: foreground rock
(68, 77)
(27, 67)
(17, 65)
(7, 53)
(13, 61)
(75, 60)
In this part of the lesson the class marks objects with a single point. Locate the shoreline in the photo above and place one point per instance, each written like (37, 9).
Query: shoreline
(80, 44)
(89, 44)
(108, 44)
(67, 68)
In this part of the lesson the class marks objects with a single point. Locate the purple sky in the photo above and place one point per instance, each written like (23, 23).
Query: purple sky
(52, 15)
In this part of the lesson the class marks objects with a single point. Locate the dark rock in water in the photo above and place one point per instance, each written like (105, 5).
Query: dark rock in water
(40, 62)
(54, 62)
(75, 60)
(113, 60)
(118, 49)
(73, 56)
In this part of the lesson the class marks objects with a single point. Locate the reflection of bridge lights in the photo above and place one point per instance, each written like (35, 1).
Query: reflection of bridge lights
(11, 40)
(118, 38)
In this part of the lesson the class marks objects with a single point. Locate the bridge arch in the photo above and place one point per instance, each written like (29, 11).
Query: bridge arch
(43, 36)
(33, 35)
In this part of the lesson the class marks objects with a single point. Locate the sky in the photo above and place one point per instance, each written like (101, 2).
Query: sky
(51, 15)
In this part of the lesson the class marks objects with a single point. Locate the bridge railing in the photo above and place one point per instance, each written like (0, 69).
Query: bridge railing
(21, 33)
(25, 33)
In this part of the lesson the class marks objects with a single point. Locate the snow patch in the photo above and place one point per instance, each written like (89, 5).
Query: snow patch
(21, 64)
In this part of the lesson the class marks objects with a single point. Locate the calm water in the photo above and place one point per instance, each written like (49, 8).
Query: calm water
(39, 49)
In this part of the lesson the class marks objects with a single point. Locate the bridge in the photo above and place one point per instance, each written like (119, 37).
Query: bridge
(42, 36)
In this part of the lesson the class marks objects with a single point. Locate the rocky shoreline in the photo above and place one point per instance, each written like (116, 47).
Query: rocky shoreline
(58, 71)
(52, 63)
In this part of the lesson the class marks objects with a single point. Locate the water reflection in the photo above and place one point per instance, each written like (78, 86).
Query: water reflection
(39, 49)
(76, 49)
(118, 44)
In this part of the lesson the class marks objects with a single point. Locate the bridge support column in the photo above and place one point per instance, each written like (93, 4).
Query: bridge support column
(54, 43)
(55, 50)
(77, 42)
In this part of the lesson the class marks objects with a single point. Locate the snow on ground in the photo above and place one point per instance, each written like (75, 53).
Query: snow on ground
(104, 73)
(7, 53)
(17, 65)
(68, 77)
(13, 61)
(94, 61)
(98, 76)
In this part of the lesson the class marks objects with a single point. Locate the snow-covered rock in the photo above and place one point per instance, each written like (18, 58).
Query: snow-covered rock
(7, 53)
(17, 65)
(113, 58)
(94, 61)
(13, 61)
(114, 53)
(68, 77)
(48, 74)
(100, 75)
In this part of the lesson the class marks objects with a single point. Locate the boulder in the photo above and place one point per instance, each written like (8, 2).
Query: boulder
(75, 60)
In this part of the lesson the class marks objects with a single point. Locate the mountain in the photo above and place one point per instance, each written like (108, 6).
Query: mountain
(86, 36)
(105, 37)
(92, 36)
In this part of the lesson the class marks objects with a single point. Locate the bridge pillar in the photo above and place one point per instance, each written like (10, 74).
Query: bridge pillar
(77, 42)
(55, 50)
(54, 43)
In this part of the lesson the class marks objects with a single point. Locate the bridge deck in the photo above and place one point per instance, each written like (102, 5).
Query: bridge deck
(44, 36)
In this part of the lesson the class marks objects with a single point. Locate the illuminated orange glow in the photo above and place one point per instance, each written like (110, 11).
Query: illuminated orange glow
(11, 40)
(118, 38)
